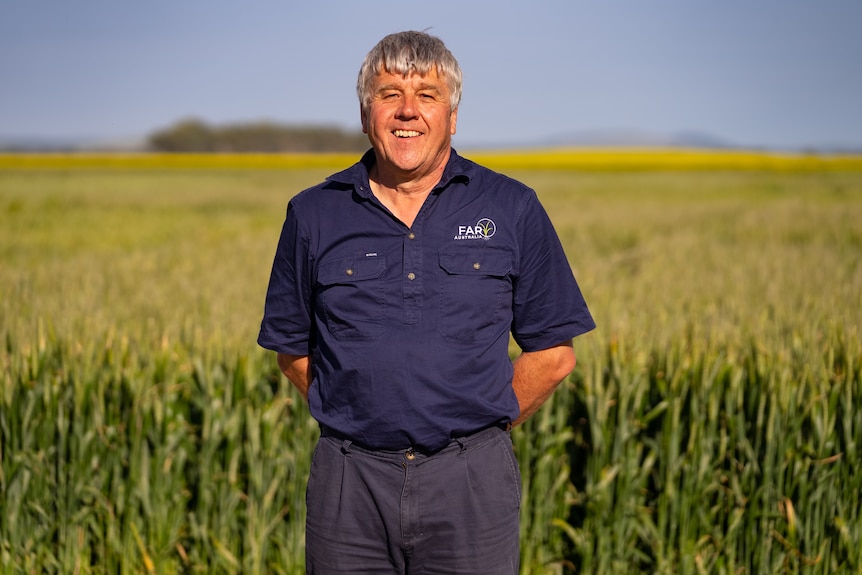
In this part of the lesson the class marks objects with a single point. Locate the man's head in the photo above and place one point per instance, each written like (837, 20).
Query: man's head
(404, 53)
(409, 88)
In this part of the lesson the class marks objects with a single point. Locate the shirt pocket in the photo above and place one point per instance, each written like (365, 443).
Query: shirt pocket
(352, 298)
(475, 294)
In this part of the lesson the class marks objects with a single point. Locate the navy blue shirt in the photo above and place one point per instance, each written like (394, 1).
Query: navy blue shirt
(408, 329)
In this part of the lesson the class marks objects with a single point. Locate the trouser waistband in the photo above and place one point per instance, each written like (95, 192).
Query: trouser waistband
(456, 442)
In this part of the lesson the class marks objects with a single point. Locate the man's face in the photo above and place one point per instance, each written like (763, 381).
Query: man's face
(409, 122)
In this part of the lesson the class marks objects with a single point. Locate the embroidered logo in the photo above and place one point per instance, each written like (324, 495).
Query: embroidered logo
(482, 230)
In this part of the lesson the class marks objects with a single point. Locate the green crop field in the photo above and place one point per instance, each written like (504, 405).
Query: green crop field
(713, 423)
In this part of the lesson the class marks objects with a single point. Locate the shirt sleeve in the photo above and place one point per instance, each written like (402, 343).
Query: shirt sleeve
(286, 325)
(548, 306)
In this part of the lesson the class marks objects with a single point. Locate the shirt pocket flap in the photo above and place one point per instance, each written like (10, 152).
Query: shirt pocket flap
(351, 270)
(487, 262)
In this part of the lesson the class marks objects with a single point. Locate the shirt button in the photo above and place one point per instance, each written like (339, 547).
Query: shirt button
(349, 271)
(411, 276)
(477, 265)
(411, 236)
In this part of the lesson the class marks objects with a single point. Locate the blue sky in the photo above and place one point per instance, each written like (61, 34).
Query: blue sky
(764, 73)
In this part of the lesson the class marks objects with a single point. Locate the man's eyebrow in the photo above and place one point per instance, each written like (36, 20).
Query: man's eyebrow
(425, 87)
(387, 87)
(397, 88)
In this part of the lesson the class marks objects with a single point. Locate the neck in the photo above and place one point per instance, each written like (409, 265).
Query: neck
(403, 187)
(403, 198)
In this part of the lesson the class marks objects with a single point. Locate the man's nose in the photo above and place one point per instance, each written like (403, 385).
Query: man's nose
(407, 109)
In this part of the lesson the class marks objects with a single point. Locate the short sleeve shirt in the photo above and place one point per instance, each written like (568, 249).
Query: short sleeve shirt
(407, 328)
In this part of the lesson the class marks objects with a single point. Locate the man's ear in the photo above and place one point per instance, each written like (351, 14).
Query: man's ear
(363, 118)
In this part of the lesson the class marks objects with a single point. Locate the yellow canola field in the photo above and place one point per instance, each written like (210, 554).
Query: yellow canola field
(630, 159)
(144, 161)
(578, 159)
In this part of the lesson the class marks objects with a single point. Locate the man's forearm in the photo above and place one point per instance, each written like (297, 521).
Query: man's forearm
(297, 369)
(537, 375)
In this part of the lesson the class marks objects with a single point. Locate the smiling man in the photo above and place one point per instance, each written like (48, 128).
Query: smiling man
(395, 287)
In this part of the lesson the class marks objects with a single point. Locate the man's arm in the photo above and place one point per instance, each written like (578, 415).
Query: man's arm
(297, 368)
(537, 375)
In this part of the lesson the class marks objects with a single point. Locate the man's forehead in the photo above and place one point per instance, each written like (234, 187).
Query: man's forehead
(412, 76)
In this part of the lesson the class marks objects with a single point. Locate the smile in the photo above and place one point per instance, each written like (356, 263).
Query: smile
(406, 133)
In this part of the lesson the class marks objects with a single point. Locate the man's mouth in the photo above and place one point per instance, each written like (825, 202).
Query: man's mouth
(406, 133)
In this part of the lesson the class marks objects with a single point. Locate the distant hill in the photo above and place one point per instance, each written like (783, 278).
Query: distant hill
(70, 145)
(631, 138)
(685, 139)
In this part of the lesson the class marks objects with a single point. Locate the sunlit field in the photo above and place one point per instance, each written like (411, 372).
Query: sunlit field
(712, 425)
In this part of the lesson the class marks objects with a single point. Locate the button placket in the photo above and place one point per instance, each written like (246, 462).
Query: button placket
(412, 289)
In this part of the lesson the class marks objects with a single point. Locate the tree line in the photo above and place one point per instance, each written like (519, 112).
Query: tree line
(193, 135)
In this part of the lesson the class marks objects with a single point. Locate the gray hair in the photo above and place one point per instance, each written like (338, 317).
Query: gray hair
(406, 52)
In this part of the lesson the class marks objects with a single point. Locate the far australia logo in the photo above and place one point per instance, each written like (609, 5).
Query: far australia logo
(481, 230)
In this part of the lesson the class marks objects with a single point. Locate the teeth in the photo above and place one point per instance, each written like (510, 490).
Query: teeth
(406, 133)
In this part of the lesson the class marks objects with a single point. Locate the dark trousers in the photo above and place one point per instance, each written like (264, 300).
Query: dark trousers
(453, 512)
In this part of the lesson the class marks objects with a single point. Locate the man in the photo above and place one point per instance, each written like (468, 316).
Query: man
(395, 286)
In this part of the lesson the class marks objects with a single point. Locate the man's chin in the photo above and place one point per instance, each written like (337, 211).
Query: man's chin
(406, 160)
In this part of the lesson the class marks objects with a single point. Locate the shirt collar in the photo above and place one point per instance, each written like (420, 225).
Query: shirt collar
(457, 169)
